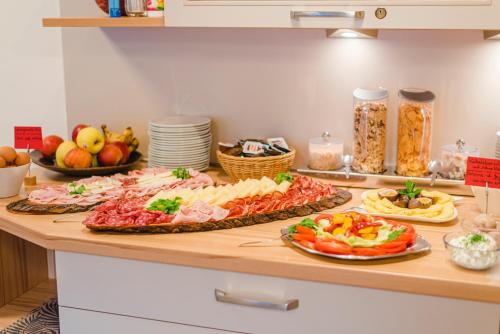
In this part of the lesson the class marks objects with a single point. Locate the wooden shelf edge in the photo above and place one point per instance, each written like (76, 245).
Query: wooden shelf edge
(105, 22)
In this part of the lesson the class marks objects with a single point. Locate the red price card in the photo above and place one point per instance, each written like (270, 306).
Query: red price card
(28, 136)
(482, 170)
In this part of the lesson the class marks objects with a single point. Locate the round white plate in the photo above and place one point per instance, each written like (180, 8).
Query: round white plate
(180, 121)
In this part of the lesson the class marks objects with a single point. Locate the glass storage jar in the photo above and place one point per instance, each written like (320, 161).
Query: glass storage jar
(454, 159)
(325, 152)
(370, 120)
(414, 131)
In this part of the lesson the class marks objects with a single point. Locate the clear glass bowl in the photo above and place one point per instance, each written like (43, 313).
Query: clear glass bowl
(475, 259)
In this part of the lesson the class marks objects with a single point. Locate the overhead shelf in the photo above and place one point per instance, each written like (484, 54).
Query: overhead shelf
(105, 22)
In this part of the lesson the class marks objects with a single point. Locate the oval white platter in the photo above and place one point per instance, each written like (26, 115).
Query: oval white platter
(403, 217)
(420, 246)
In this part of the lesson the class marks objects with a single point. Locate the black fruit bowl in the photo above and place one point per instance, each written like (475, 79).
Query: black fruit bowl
(38, 159)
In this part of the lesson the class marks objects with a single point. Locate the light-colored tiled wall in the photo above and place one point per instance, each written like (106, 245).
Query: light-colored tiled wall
(294, 83)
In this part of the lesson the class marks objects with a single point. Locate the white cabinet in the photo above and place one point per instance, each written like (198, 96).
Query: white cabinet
(75, 321)
(359, 14)
(186, 295)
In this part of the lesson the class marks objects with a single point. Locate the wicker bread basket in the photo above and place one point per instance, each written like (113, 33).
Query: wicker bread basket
(239, 168)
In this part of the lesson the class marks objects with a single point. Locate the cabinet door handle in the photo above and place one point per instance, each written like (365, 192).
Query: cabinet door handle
(287, 305)
(354, 14)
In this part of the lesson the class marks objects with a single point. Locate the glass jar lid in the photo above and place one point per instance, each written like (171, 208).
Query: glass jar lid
(417, 94)
(460, 147)
(325, 139)
(370, 94)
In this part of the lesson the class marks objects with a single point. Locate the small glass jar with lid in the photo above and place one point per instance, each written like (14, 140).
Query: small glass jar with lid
(370, 122)
(325, 152)
(415, 115)
(454, 159)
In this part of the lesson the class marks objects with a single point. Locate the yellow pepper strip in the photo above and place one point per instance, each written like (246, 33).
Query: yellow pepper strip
(366, 230)
(347, 223)
(338, 230)
(338, 218)
(370, 236)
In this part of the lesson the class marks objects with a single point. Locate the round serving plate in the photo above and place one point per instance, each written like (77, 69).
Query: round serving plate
(199, 167)
(177, 148)
(176, 131)
(181, 161)
(420, 246)
(179, 121)
(174, 157)
(183, 140)
(38, 159)
(183, 135)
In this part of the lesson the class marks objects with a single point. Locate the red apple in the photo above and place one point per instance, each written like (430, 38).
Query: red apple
(124, 148)
(78, 158)
(110, 155)
(77, 129)
(50, 145)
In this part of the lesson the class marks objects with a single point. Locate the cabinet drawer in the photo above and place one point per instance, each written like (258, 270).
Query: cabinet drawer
(75, 321)
(186, 295)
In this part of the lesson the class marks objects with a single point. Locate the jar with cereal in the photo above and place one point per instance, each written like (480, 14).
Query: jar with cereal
(325, 152)
(370, 121)
(414, 131)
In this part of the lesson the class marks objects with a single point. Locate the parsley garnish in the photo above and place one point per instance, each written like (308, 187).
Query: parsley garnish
(283, 177)
(181, 173)
(475, 238)
(395, 234)
(74, 190)
(307, 222)
(169, 206)
(411, 189)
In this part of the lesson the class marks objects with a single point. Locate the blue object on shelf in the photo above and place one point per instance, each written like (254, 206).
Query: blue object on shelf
(114, 8)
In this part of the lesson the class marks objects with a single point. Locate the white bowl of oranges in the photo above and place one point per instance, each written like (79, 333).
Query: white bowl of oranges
(13, 168)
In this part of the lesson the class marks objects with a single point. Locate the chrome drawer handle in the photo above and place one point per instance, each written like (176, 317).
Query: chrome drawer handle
(357, 14)
(287, 305)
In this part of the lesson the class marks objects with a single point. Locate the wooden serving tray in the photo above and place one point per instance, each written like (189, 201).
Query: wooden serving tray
(340, 198)
(25, 207)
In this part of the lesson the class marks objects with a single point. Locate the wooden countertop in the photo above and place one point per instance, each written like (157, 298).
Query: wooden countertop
(431, 274)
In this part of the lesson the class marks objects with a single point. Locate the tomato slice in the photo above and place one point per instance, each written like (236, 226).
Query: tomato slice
(303, 236)
(304, 230)
(323, 216)
(392, 244)
(362, 251)
(393, 250)
(307, 244)
(332, 247)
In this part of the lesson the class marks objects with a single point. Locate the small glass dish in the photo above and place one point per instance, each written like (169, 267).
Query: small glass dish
(472, 250)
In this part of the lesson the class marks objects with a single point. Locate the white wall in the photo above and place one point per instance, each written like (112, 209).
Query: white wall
(31, 70)
(261, 82)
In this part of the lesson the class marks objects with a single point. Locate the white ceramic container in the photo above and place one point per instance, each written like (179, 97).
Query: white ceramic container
(11, 180)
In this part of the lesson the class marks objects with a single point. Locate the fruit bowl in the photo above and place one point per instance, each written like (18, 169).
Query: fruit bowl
(11, 180)
(38, 159)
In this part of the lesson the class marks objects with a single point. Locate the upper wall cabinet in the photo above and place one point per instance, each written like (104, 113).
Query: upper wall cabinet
(354, 14)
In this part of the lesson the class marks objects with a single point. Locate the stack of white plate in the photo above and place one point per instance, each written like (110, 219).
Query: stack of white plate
(180, 141)
(497, 150)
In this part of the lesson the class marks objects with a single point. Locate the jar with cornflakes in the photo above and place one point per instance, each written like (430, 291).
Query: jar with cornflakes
(370, 121)
(416, 108)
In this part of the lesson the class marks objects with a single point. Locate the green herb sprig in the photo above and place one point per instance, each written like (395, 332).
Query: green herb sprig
(395, 234)
(74, 190)
(307, 222)
(283, 177)
(169, 206)
(181, 173)
(411, 189)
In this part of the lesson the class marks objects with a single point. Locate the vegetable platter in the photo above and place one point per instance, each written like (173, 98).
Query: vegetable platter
(354, 236)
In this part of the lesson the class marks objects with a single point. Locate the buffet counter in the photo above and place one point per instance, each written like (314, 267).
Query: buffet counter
(166, 282)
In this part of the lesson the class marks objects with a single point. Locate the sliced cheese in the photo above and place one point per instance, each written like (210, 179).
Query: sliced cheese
(220, 195)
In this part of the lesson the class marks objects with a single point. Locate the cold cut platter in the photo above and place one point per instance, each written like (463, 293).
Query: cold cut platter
(85, 194)
(354, 236)
(249, 202)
